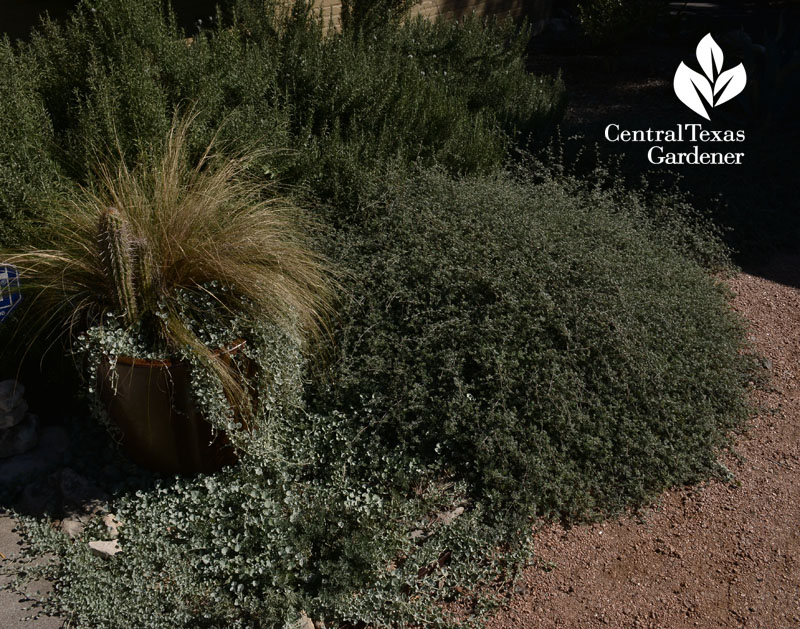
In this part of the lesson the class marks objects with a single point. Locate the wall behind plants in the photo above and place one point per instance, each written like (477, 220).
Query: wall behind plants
(20, 16)
(534, 10)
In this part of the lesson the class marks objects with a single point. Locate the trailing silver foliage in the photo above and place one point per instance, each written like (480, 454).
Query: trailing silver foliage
(274, 369)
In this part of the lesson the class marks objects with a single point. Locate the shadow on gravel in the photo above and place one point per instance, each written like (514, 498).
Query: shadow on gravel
(782, 268)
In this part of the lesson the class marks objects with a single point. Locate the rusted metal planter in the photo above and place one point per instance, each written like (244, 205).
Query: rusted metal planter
(160, 426)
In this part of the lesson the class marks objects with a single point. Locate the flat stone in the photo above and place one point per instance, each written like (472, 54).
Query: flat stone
(81, 500)
(20, 438)
(304, 622)
(105, 549)
(14, 416)
(74, 524)
(73, 527)
(17, 605)
(112, 525)
(11, 393)
(448, 517)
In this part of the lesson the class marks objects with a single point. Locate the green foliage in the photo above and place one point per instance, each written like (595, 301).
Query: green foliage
(325, 528)
(368, 16)
(453, 94)
(519, 349)
(662, 205)
(489, 72)
(611, 22)
(539, 340)
(334, 107)
(29, 171)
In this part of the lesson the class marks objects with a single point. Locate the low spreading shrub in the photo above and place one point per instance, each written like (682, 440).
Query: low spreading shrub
(551, 346)
(335, 530)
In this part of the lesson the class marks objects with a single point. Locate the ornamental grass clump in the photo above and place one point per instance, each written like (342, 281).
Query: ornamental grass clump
(173, 259)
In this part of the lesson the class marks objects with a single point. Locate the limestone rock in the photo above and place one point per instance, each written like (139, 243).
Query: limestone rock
(112, 525)
(11, 393)
(74, 525)
(448, 517)
(304, 622)
(105, 549)
(14, 416)
(418, 535)
(20, 438)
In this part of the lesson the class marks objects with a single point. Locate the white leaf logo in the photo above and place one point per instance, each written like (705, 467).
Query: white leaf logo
(689, 85)
(723, 86)
(730, 83)
(710, 56)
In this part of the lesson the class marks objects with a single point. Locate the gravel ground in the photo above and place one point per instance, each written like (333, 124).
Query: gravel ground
(717, 555)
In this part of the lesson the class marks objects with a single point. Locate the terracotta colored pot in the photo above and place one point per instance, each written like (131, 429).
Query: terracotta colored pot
(161, 427)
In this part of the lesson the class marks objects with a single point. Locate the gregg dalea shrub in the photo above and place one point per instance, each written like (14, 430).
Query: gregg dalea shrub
(544, 340)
